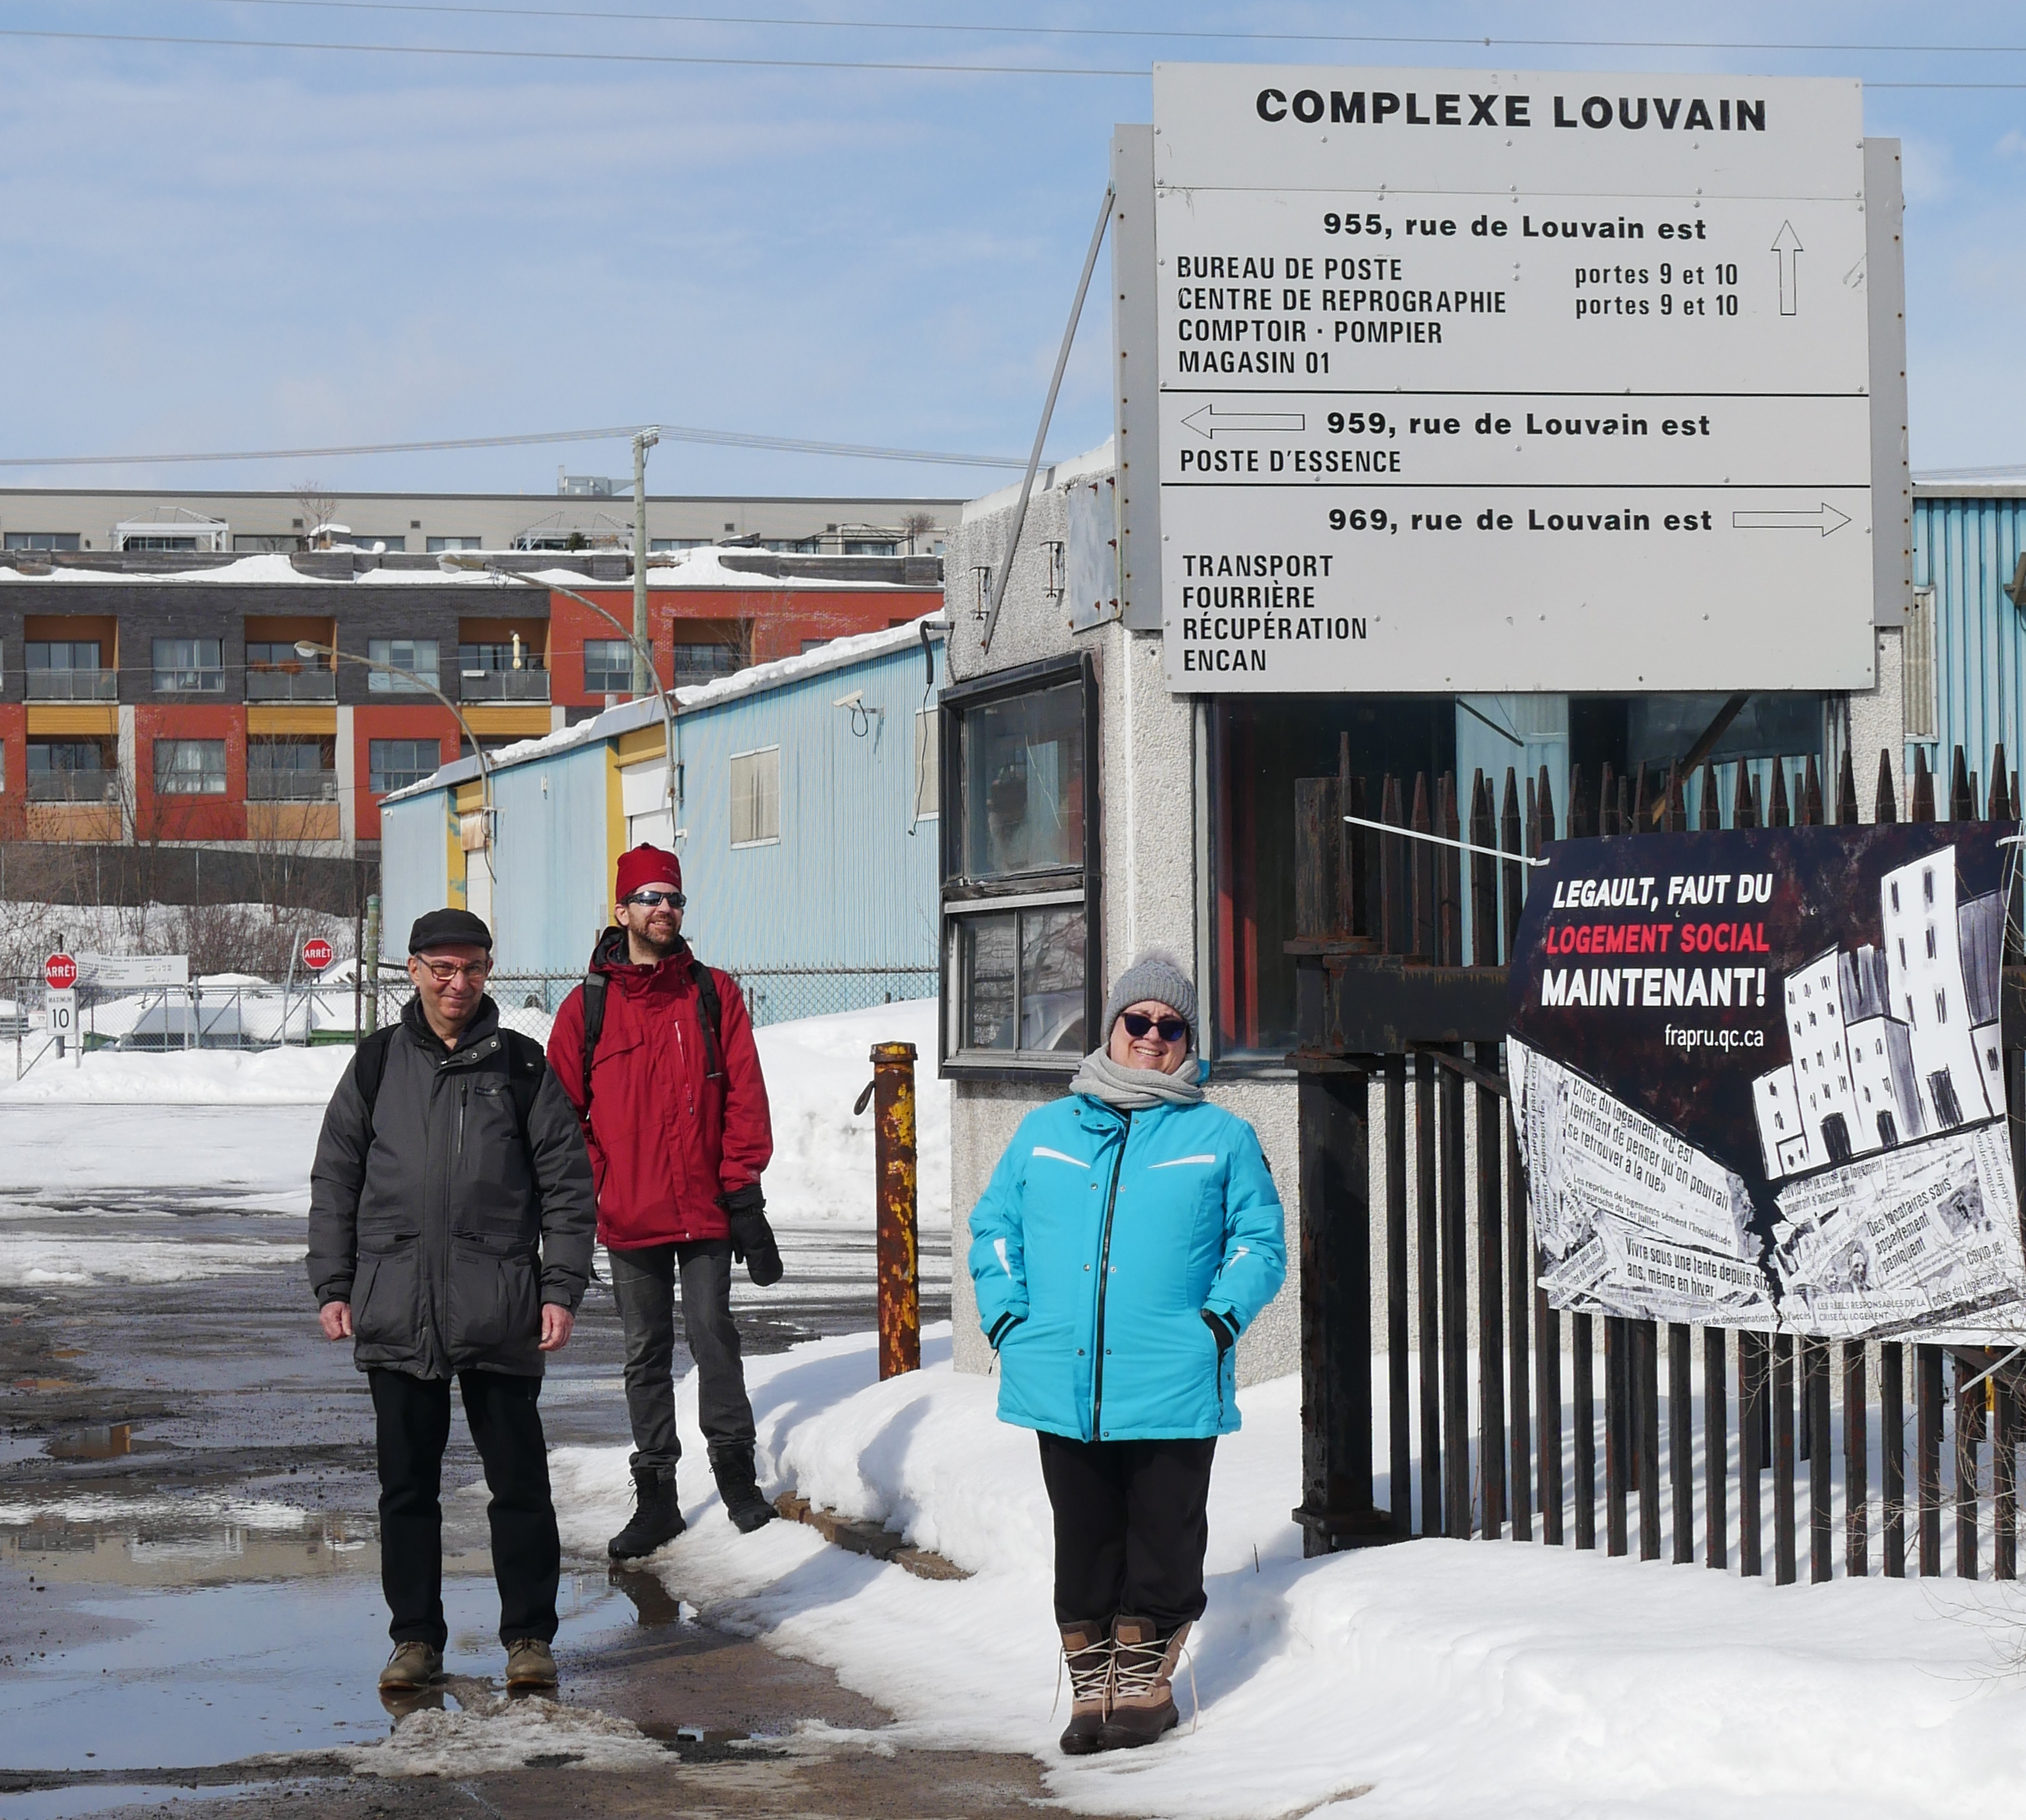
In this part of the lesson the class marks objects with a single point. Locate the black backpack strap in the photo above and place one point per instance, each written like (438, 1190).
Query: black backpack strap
(595, 986)
(525, 1065)
(713, 1019)
(368, 1068)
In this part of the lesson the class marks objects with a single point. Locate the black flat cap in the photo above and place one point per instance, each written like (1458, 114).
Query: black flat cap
(448, 928)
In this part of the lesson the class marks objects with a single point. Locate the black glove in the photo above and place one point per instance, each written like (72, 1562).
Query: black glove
(1225, 1328)
(752, 1239)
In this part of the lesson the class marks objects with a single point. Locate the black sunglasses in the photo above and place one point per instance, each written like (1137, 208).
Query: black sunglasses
(1172, 1030)
(650, 899)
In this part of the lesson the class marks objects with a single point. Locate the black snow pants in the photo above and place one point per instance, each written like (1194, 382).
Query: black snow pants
(1131, 1524)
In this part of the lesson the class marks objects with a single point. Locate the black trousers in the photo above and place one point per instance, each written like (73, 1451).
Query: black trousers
(1131, 1523)
(643, 1281)
(413, 1428)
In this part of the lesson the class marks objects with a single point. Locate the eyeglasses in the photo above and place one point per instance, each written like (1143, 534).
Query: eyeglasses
(1171, 1029)
(651, 900)
(445, 971)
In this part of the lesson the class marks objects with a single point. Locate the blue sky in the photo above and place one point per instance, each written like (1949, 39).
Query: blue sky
(215, 247)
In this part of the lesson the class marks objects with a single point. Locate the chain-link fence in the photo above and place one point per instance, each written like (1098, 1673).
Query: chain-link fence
(253, 1014)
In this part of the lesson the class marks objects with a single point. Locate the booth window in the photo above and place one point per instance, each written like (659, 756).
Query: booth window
(1017, 790)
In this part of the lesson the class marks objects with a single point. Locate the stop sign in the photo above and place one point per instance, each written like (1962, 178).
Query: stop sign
(316, 954)
(60, 973)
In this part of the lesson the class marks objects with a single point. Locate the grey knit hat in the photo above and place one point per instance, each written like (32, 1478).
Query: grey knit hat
(1154, 974)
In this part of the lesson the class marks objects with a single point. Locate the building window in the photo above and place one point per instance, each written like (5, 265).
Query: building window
(607, 666)
(656, 544)
(416, 657)
(291, 771)
(68, 672)
(394, 764)
(1014, 756)
(189, 667)
(755, 797)
(927, 764)
(188, 767)
(42, 540)
(696, 663)
(72, 770)
(488, 658)
(435, 544)
(859, 547)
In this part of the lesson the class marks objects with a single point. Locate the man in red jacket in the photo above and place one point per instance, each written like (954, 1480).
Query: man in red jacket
(675, 1115)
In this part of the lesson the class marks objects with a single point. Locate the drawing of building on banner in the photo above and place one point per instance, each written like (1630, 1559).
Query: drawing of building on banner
(1894, 1043)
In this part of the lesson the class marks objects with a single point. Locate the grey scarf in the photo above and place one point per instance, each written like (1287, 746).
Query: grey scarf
(1137, 1089)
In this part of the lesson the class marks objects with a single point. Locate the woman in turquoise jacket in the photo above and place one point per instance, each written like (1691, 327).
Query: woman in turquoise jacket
(1128, 1237)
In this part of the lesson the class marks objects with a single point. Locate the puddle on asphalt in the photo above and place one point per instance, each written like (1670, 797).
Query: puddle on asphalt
(103, 1798)
(109, 1440)
(214, 1674)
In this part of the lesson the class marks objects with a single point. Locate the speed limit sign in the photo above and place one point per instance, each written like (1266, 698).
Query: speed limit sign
(61, 1011)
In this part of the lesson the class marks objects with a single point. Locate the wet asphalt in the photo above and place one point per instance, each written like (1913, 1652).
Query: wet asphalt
(189, 1613)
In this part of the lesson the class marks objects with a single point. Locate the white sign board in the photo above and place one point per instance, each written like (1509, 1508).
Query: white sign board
(1511, 382)
(60, 1012)
(109, 970)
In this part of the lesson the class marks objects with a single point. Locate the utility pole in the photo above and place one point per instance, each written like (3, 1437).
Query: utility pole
(644, 681)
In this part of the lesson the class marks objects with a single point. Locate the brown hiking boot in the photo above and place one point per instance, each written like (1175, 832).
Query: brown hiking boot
(530, 1664)
(1143, 1692)
(412, 1665)
(1087, 1654)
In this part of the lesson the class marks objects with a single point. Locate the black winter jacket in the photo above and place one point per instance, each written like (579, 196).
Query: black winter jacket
(442, 1223)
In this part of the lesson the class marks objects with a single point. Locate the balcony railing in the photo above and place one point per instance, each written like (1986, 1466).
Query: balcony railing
(73, 787)
(72, 685)
(503, 686)
(304, 685)
(291, 787)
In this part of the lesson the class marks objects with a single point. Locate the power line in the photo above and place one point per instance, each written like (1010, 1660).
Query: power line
(500, 54)
(676, 433)
(918, 27)
(557, 56)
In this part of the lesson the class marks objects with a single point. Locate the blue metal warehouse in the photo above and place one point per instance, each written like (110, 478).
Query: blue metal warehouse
(804, 813)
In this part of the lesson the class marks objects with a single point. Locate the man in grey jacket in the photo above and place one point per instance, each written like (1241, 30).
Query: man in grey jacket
(450, 1223)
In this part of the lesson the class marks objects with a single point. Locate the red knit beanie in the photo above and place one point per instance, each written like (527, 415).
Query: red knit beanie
(646, 865)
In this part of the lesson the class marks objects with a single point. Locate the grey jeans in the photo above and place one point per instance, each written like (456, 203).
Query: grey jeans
(643, 1285)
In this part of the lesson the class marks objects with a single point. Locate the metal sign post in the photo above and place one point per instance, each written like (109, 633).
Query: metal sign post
(1473, 381)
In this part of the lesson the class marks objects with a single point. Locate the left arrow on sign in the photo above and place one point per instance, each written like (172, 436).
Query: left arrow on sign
(1210, 420)
(1824, 518)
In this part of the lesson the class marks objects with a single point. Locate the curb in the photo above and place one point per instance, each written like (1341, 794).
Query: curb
(868, 1538)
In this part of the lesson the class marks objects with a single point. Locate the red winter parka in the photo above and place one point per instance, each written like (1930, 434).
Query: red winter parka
(665, 1138)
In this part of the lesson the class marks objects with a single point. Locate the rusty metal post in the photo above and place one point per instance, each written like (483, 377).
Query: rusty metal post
(899, 1266)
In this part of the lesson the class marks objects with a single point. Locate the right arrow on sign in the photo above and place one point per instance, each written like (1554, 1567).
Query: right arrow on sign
(1824, 518)
(1208, 421)
(1786, 243)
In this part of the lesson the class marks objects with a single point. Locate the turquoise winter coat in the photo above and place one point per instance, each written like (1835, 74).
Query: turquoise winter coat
(1099, 1242)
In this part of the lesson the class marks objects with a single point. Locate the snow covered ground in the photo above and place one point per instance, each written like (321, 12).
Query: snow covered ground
(238, 1128)
(1448, 1679)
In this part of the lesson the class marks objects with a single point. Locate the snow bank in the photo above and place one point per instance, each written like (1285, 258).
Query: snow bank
(815, 1069)
(1438, 1678)
(274, 1077)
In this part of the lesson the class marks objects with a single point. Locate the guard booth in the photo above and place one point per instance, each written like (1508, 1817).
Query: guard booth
(1124, 764)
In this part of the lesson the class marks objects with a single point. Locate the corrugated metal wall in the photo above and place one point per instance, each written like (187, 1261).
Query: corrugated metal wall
(1966, 551)
(852, 881)
(414, 864)
(555, 891)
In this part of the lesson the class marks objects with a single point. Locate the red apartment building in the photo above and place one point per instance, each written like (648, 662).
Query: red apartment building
(162, 699)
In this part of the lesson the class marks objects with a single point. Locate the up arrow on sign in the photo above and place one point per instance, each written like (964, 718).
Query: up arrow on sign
(1786, 243)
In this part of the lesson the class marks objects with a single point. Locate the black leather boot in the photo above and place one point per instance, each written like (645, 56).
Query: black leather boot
(657, 1517)
(733, 1467)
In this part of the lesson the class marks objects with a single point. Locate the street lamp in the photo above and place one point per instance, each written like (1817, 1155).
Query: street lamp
(308, 648)
(453, 561)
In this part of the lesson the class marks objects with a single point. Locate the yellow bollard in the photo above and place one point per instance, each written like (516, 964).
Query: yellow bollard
(899, 1266)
